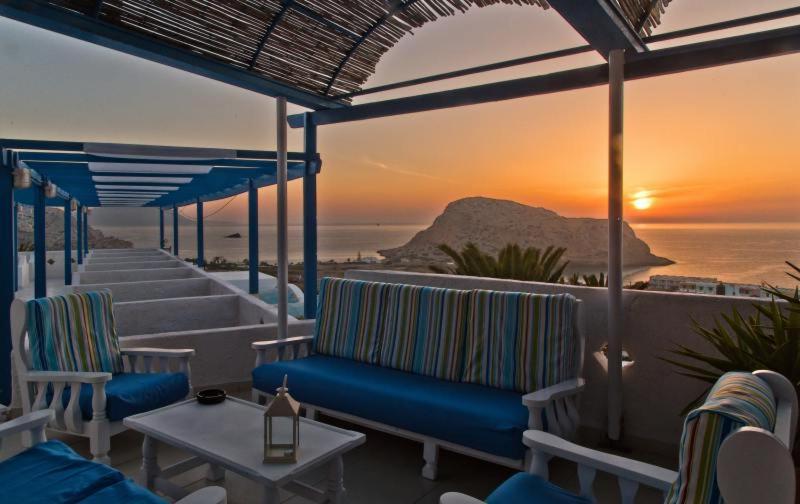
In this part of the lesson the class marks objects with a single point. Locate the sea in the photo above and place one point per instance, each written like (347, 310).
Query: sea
(740, 253)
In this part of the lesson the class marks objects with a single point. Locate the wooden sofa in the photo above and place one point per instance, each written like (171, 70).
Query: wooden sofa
(464, 370)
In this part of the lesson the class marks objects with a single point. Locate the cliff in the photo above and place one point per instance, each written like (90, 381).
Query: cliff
(492, 223)
(54, 232)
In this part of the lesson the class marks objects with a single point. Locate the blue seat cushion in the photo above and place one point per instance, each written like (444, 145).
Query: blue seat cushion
(483, 418)
(131, 393)
(51, 472)
(524, 488)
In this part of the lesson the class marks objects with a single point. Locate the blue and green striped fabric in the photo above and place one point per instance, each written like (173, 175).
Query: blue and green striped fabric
(424, 330)
(74, 332)
(737, 400)
(350, 315)
(520, 341)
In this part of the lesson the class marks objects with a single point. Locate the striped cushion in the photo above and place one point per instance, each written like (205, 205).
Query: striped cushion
(520, 341)
(737, 400)
(74, 332)
(424, 330)
(350, 316)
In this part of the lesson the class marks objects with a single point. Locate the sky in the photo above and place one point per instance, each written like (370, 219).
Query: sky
(718, 145)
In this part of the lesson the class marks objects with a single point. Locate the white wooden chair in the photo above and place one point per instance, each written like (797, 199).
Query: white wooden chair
(35, 386)
(753, 465)
(32, 426)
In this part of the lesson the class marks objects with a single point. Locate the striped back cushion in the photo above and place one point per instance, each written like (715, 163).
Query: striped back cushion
(424, 330)
(350, 315)
(520, 341)
(74, 332)
(737, 400)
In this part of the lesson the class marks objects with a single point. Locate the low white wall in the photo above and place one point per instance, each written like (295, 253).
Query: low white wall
(159, 289)
(223, 356)
(654, 394)
(97, 277)
(141, 264)
(129, 258)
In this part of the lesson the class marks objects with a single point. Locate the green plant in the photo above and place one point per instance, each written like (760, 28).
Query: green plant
(768, 339)
(511, 262)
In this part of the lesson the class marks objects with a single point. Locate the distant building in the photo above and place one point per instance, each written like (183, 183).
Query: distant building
(704, 285)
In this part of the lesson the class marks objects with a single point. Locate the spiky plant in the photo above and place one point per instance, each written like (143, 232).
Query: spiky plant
(768, 339)
(512, 261)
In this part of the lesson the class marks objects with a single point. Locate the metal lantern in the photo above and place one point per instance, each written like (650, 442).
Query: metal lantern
(282, 427)
(50, 190)
(22, 178)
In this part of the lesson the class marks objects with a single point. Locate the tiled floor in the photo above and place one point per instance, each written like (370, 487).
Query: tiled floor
(385, 470)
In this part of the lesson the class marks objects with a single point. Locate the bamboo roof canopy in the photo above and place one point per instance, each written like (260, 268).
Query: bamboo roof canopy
(324, 47)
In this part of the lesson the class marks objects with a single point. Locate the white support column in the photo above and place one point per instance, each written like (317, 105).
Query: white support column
(283, 221)
(616, 75)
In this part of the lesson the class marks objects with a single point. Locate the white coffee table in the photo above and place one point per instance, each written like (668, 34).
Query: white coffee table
(230, 436)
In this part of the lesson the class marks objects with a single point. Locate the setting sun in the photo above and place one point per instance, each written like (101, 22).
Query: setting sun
(642, 200)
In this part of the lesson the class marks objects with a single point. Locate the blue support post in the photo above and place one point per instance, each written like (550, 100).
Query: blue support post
(68, 242)
(79, 235)
(310, 220)
(252, 235)
(7, 266)
(175, 230)
(85, 231)
(201, 259)
(15, 242)
(161, 228)
(39, 245)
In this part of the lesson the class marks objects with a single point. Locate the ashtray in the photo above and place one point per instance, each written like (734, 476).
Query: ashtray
(211, 396)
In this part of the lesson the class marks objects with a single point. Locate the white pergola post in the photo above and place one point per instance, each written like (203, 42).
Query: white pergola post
(283, 221)
(616, 79)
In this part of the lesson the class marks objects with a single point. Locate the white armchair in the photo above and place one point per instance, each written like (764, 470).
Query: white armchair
(752, 464)
(40, 390)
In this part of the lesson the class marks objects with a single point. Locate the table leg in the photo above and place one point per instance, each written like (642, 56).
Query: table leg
(215, 473)
(150, 469)
(271, 495)
(335, 487)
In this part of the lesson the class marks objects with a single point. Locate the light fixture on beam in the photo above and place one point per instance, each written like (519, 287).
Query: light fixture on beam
(22, 178)
(50, 190)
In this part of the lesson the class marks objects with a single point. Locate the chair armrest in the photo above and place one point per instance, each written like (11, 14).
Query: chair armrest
(281, 346)
(29, 422)
(458, 498)
(541, 398)
(158, 352)
(207, 495)
(625, 468)
(66, 377)
(265, 345)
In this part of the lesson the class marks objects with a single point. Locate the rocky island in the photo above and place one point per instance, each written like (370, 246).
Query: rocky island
(493, 223)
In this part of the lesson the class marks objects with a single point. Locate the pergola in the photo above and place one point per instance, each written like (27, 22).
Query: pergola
(318, 54)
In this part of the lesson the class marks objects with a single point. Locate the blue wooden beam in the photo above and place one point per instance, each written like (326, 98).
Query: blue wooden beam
(40, 14)
(650, 64)
(201, 260)
(39, 245)
(161, 228)
(270, 28)
(79, 234)
(601, 23)
(175, 230)
(7, 267)
(68, 242)
(310, 224)
(252, 236)
(85, 231)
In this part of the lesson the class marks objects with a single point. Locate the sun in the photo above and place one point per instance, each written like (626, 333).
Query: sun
(642, 200)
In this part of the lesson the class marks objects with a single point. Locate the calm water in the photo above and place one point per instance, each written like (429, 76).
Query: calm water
(747, 253)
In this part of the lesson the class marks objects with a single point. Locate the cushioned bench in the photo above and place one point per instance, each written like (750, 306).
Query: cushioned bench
(469, 371)
(51, 471)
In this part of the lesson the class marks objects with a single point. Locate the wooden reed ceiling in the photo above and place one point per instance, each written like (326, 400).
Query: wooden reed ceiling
(327, 47)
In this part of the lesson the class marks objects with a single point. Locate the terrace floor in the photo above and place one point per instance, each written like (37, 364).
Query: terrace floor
(385, 470)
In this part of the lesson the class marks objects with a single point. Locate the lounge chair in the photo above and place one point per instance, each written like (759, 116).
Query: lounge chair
(735, 448)
(68, 359)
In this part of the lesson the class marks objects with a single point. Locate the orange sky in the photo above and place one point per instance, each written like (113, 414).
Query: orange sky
(708, 146)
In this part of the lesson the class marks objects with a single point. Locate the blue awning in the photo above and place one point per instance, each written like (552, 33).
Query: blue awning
(122, 175)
